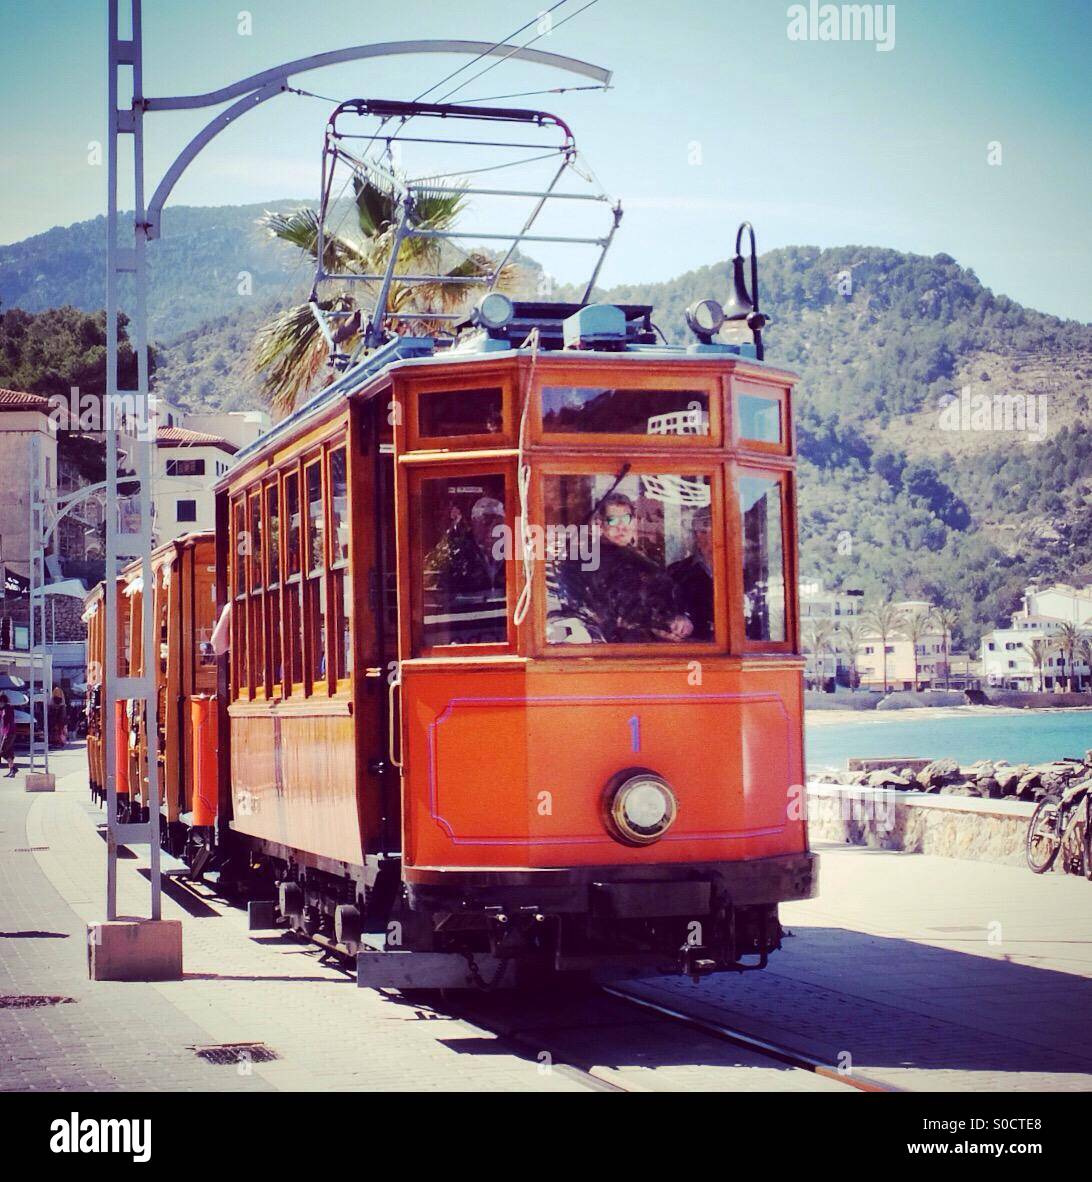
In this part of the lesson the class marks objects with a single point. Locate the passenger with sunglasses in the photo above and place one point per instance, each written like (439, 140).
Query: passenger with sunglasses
(624, 597)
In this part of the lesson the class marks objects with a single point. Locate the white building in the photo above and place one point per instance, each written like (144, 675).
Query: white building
(188, 464)
(1005, 652)
(819, 605)
(241, 427)
(23, 417)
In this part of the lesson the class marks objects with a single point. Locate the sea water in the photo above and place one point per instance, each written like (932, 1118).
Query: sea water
(1032, 737)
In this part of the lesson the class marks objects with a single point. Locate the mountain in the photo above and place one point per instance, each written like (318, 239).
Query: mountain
(197, 270)
(901, 493)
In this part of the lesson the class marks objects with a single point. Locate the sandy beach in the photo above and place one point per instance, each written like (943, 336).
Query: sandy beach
(817, 718)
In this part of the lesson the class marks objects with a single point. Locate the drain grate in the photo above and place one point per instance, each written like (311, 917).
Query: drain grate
(32, 1001)
(236, 1052)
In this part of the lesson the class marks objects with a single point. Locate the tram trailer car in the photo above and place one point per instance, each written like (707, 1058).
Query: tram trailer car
(514, 683)
(184, 602)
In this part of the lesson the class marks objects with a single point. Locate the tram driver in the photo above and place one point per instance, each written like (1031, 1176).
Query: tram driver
(625, 597)
(693, 576)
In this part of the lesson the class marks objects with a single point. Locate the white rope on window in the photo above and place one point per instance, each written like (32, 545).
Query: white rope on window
(523, 488)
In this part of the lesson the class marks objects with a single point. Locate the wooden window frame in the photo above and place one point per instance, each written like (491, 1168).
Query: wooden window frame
(452, 383)
(409, 556)
(292, 583)
(240, 636)
(338, 566)
(786, 482)
(742, 386)
(273, 585)
(711, 385)
(710, 464)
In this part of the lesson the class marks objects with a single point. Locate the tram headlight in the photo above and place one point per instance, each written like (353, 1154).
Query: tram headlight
(705, 318)
(640, 806)
(494, 310)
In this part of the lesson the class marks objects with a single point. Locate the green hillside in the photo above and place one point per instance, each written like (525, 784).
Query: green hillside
(889, 501)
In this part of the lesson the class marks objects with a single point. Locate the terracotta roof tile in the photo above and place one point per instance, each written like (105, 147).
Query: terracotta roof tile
(182, 437)
(20, 400)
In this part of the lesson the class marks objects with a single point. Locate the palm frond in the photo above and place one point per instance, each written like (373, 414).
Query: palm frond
(300, 228)
(289, 351)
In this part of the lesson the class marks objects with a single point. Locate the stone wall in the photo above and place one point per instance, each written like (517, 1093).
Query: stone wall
(1035, 701)
(62, 613)
(987, 831)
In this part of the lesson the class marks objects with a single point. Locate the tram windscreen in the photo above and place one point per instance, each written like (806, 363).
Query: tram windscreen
(598, 410)
(628, 561)
(461, 524)
(763, 558)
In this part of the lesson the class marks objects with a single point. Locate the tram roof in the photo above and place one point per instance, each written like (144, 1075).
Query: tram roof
(406, 352)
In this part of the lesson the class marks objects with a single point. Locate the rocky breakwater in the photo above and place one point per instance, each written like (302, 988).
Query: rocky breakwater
(989, 780)
(980, 811)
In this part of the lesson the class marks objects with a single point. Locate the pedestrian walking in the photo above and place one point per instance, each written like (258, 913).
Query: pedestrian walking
(58, 718)
(7, 734)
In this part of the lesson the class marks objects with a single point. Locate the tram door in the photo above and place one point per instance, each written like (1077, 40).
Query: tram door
(385, 592)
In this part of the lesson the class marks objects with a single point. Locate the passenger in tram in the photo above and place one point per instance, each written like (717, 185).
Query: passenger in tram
(625, 597)
(693, 576)
(462, 562)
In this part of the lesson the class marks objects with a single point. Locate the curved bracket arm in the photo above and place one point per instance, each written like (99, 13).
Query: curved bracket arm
(260, 87)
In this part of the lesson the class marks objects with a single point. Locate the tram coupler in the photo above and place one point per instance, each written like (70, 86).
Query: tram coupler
(514, 932)
(696, 962)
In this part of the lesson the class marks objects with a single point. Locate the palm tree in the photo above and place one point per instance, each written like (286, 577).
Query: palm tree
(947, 620)
(852, 634)
(884, 620)
(916, 626)
(290, 350)
(1085, 650)
(1038, 650)
(820, 639)
(1067, 640)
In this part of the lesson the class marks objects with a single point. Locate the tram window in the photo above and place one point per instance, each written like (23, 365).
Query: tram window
(461, 526)
(315, 547)
(292, 508)
(339, 507)
(239, 632)
(256, 575)
(759, 418)
(628, 561)
(240, 548)
(316, 607)
(273, 529)
(239, 646)
(596, 410)
(343, 610)
(257, 652)
(763, 558)
(443, 413)
(294, 633)
(276, 671)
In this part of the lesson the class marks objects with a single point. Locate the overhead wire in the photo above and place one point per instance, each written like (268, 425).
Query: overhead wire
(484, 53)
(525, 45)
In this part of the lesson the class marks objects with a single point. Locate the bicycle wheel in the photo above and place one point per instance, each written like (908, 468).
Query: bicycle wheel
(1088, 840)
(1041, 845)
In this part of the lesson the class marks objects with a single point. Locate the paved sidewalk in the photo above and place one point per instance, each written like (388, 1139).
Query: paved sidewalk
(927, 972)
(238, 987)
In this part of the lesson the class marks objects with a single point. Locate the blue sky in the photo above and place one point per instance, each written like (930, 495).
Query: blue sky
(818, 142)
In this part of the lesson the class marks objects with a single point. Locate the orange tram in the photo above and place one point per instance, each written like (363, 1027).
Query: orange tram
(514, 685)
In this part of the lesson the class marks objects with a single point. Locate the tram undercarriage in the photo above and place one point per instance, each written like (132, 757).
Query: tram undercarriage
(491, 929)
